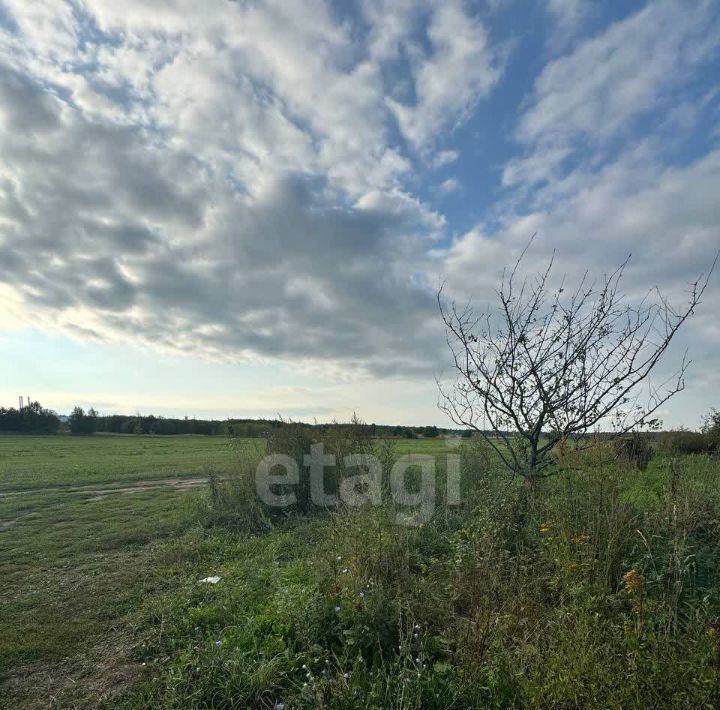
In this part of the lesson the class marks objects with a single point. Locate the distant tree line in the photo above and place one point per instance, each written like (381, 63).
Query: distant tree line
(35, 419)
(31, 419)
(683, 441)
(82, 422)
(151, 424)
(89, 422)
(401, 432)
(250, 428)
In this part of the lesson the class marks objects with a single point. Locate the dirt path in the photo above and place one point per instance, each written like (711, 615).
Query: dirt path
(98, 492)
(104, 489)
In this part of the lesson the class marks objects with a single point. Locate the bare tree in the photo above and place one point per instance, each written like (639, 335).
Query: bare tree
(546, 366)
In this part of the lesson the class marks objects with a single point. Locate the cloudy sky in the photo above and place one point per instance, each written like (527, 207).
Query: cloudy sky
(244, 207)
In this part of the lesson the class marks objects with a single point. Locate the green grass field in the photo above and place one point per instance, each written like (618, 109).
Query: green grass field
(500, 603)
(43, 461)
(76, 534)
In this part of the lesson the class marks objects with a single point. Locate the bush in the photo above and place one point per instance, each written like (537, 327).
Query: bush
(635, 450)
(338, 440)
(711, 430)
(233, 500)
(681, 443)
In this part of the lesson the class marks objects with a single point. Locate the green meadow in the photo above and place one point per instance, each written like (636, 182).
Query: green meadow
(599, 589)
(29, 462)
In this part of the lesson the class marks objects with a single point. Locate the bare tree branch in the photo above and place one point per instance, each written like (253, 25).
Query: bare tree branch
(545, 366)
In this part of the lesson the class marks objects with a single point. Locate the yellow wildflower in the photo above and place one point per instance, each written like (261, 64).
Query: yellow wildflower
(634, 582)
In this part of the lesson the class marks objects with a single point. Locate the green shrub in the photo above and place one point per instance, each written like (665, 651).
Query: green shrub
(687, 442)
(635, 450)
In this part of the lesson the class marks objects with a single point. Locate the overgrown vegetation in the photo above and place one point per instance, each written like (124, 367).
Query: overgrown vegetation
(602, 590)
(706, 441)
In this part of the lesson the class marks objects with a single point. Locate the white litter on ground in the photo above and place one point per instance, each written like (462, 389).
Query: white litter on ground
(210, 580)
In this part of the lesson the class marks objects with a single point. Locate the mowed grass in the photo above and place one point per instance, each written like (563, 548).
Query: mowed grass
(45, 461)
(81, 522)
(77, 527)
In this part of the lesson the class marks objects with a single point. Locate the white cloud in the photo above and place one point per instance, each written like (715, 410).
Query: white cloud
(592, 95)
(667, 217)
(568, 15)
(213, 183)
(449, 185)
(391, 25)
(461, 68)
(444, 157)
